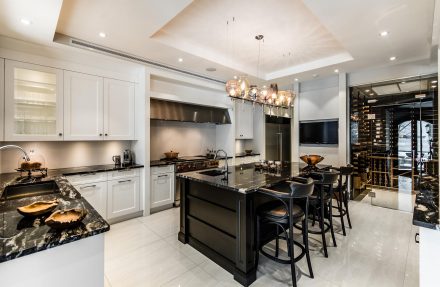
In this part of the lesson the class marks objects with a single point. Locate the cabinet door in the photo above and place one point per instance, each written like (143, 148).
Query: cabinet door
(83, 107)
(2, 99)
(162, 189)
(123, 197)
(96, 195)
(244, 121)
(118, 110)
(33, 102)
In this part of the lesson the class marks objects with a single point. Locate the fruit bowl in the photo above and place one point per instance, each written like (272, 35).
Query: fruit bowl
(312, 159)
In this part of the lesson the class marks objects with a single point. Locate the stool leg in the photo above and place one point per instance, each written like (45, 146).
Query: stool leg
(321, 226)
(346, 210)
(292, 256)
(277, 242)
(339, 200)
(257, 244)
(305, 232)
(331, 222)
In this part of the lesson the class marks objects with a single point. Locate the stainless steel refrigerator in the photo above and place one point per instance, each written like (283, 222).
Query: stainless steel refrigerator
(278, 143)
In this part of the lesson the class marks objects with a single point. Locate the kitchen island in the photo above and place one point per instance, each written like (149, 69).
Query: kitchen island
(217, 214)
(33, 254)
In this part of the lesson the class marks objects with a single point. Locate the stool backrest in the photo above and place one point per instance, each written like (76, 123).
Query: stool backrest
(326, 177)
(301, 189)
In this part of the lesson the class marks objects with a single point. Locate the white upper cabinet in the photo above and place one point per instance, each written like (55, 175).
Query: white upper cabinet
(83, 107)
(33, 102)
(118, 110)
(2, 98)
(244, 121)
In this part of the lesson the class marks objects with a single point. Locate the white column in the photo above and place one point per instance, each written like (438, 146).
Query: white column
(343, 120)
(294, 133)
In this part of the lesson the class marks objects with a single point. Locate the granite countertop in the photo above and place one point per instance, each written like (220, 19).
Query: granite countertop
(246, 179)
(160, 163)
(246, 154)
(426, 209)
(21, 236)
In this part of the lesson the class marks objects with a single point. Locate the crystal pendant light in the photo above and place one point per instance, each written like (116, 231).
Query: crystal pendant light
(243, 86)
(254, 93)
(232, 88)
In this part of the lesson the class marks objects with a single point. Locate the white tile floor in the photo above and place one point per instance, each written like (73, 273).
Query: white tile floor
(378, 251)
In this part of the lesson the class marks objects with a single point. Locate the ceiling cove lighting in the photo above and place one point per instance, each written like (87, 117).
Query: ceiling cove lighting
(25, 21)
(242, 89)
(180, 60)
(393, 58)
(102, 34)
(434, 82)
(383, 33)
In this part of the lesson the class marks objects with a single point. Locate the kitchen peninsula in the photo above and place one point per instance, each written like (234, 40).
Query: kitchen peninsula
(217, 214)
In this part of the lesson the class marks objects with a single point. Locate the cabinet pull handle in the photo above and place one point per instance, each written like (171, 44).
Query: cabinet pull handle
(106, 134)
(88, 186)
(416, 238)
(100, 135)
(121, 181)
(163, 175)
(87, 174)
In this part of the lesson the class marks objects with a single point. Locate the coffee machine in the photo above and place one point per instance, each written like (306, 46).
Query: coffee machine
(127, 157)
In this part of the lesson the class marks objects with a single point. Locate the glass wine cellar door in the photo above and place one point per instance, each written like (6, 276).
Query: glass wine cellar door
(394, 140)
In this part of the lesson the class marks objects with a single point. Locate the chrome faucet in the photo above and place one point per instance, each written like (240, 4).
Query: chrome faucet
(225, 169)
(26, 157)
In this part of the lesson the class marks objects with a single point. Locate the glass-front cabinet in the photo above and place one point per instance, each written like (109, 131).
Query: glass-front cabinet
(33, 102)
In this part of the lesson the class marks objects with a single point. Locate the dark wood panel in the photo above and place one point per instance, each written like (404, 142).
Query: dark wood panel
(215, 195)
(217, 216)
(213, 238)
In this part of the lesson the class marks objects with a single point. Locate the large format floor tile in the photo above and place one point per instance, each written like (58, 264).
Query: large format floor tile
(378, 251)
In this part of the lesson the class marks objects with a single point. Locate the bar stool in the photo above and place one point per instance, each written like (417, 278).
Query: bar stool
(284, 212)
(341, 194)
(321, 203)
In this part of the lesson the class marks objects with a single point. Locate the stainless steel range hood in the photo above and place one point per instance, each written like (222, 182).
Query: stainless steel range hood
(182, 112)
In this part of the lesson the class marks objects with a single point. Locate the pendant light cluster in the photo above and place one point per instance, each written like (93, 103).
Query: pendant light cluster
(240, 88)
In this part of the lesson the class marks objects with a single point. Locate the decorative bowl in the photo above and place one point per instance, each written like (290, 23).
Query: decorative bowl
(248, 151)
(38, 208)
(63, 219)
(312, 159)
(171, 154)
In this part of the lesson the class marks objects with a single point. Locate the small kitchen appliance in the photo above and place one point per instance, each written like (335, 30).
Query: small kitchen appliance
(127, 157)
(117, 160)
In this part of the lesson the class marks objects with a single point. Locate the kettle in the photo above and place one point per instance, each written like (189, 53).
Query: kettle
(127, 157)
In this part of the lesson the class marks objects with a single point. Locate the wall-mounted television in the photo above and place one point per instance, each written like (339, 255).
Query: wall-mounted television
(322, 132)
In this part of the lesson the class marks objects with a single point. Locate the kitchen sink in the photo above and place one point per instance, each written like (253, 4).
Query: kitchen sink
(20, 191)
(213, 172)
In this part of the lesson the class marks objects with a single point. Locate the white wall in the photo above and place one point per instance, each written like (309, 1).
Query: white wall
(319, 100)
(188, 139)
(65, 154)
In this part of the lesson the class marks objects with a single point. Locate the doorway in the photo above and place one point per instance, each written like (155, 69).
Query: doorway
(394, 140)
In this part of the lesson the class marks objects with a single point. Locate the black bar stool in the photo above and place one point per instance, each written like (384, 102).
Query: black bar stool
(283, 212)
(341, 194)
(321, 204)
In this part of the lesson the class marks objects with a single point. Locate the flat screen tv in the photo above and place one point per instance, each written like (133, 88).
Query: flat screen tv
(319, 132)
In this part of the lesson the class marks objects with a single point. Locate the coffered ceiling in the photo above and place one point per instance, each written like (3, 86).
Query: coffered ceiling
(302, 38)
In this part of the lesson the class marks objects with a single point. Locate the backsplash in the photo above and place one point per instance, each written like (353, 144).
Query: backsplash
(186, 138)
(242, 145)
(64, 154)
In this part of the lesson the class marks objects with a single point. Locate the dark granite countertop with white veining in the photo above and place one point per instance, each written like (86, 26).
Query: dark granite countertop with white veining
(426, 209)
(21, 236)
(245, 179)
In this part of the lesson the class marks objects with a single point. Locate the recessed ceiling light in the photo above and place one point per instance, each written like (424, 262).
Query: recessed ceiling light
(372, 101)
(25, 21)
(296, 79)
(235, 77)
(371, 94)
(336, 71)
(433, 86)
(180, 60)
(211, 69)
(384, 33)
(315, 75)
(403, 82)
(367, 91)
(393, 58)
(434, 81)
(102, 34)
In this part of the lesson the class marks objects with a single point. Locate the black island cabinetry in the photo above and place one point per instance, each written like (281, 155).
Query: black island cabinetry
(217, 215)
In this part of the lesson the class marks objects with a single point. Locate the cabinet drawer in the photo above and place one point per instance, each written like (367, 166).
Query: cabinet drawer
(123, 197)
(162, 189)
(78, 179)
(122, 173)
(96, 195)
(162, 169)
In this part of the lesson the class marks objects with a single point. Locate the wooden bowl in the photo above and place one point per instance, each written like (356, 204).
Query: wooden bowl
(312, 159)
(38, 208)
(171, 154)
(63, 219)
(248, 151)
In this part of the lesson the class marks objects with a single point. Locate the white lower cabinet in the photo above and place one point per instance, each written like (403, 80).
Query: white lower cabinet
(123, 197)
(162, 186)
(96, 195)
